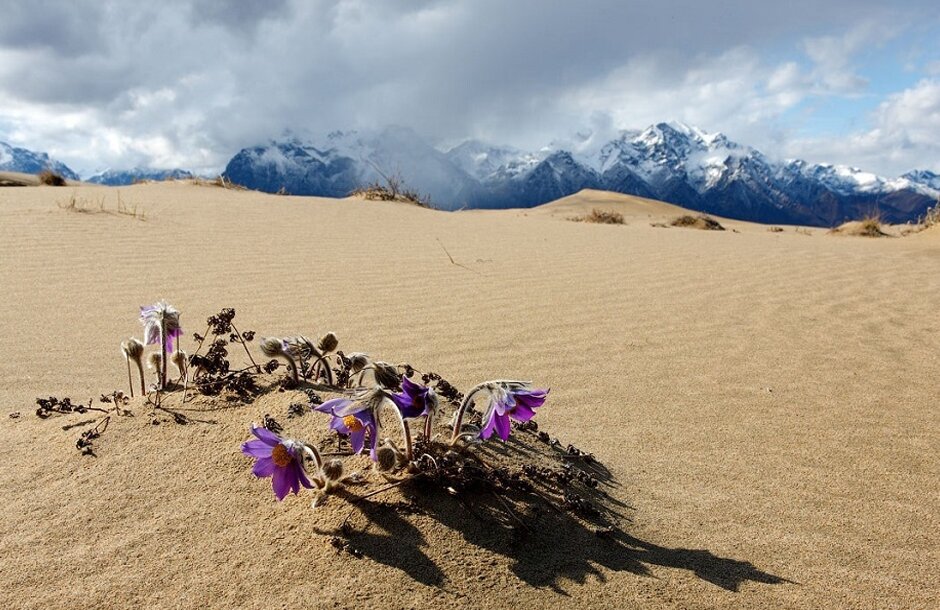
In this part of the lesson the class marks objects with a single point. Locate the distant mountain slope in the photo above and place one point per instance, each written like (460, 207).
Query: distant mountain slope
(130, 176)
(14, 159)
(671, 162)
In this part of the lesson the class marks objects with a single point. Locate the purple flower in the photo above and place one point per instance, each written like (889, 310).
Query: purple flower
(415, 400)
(278, 458)
(160, 316)
(353, 419)
(510, 403)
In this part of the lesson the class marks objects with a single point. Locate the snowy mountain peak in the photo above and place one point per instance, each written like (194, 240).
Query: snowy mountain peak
(113, 177)
(15, 159)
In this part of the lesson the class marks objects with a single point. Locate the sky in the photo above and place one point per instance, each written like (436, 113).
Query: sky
(101, 84)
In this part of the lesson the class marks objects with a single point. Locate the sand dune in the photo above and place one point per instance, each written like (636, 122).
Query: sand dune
(765, 403)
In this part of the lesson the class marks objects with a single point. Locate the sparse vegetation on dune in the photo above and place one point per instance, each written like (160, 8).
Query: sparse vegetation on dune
(393, 189)
(219, 181)
(607, 217)
(702, 222)
(930, 218)
(84, 205)
(870, 226)
(50, 178)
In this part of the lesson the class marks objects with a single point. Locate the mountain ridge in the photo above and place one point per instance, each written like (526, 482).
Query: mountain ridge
(672, 162)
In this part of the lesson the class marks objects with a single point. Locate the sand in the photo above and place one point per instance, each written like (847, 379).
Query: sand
(766, 403)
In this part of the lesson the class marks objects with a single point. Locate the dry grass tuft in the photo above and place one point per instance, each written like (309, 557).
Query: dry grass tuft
(870, 226)
(83, 205)
(704, 223)
(930, 218)
(381, 192)
(219, 181)
(604, 217)
(393, 189)
(50, 178)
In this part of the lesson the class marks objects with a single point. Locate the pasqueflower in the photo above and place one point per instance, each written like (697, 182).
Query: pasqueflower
(282, 459)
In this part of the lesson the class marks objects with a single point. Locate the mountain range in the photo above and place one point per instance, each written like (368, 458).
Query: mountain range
(672, 162)
(14, 159)
(130, 176)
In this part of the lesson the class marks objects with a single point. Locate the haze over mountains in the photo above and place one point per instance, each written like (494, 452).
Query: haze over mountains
(672, 162)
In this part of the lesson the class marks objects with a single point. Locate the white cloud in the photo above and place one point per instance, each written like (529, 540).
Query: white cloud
(905, 135)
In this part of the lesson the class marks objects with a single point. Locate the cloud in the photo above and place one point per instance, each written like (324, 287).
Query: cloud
(903, 136)
(189, 82)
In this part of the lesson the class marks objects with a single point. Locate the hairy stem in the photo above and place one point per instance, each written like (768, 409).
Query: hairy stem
(130, 382)
(163, 353)
(312, 451)
(143, 384)
(467, 401)
(406, 434)
(428, 426)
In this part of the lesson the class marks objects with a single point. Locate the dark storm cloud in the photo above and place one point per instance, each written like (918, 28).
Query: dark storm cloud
(220, 74)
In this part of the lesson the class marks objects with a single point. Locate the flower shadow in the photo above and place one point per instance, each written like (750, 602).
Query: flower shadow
(391, 539)
(543, 544)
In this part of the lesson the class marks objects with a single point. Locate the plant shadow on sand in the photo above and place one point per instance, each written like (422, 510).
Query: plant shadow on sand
(546, 545)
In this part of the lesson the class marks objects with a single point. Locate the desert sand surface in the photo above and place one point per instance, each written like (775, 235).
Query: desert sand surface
(765, 403)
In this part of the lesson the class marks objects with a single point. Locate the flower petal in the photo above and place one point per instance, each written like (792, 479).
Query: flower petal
(487, 430)
(337, 423)
(264, 467)
(503, 427)
(257, 449)
(522, 413)
(302, 477)
(281, 482)
(357, 440)
(331, 405)
(265, 435)
(351, 408)
(531, 398)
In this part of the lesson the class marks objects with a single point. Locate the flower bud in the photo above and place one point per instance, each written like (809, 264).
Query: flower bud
(328, 342)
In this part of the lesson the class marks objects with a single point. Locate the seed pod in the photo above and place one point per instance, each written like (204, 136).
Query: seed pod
(333, 470)
(386, 457)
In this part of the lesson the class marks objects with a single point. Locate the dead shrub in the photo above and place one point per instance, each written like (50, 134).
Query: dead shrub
(605, 217)
(702, 222)
(50, 178)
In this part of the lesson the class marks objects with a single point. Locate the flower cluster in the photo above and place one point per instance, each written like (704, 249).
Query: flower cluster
(161, 322)
(359, 418)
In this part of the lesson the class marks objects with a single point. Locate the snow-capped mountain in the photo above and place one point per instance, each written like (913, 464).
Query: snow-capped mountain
(13, 159)
(924, 178)
(668, 161)
(345, 161)
(130, 176)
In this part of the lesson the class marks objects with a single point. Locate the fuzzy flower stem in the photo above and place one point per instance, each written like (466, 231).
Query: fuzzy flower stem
(428, 426)
(163, 354)
(143, 383)
(467, 401)
(312, 452)
(406, 434)
(130, 382)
